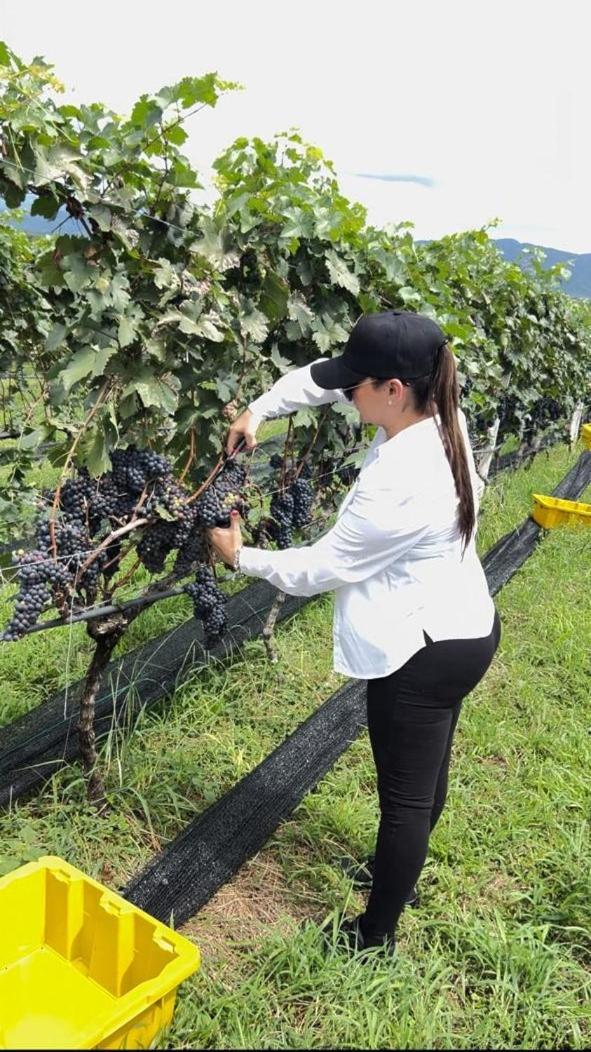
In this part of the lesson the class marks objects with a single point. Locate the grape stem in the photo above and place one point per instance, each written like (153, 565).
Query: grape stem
(303, 460)
(134, 524)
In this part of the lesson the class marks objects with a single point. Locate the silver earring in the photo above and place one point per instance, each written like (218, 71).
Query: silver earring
(389, 401)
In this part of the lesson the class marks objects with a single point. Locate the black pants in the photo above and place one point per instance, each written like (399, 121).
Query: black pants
(412, 715)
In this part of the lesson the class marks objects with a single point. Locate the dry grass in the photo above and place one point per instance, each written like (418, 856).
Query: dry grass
(257, 901)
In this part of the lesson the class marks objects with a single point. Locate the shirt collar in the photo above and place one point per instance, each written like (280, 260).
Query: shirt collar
(410, 434)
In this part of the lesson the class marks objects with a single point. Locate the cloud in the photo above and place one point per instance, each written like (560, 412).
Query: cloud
(394, 177)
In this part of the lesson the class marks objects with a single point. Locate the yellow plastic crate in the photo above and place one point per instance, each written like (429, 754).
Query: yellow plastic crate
(79, 966)
(586, 435)
(552, 511)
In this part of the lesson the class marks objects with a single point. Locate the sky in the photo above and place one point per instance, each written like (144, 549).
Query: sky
(445, 113)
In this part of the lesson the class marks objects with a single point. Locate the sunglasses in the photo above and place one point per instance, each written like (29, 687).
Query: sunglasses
(348, 391)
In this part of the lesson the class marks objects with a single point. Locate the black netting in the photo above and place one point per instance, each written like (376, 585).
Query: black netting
(210, 850)
(37, 744)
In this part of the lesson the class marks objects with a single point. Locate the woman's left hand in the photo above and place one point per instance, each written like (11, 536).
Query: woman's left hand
(226, 542)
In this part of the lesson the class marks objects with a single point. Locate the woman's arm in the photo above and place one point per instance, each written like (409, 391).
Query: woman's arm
(373, 530)
(294, 390)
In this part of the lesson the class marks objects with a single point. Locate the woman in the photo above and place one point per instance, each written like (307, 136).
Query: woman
(413, 613)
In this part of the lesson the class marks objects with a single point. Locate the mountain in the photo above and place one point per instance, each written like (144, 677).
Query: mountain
(578, 285)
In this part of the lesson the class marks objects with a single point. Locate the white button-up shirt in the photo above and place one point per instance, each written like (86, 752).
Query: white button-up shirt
(394, 555)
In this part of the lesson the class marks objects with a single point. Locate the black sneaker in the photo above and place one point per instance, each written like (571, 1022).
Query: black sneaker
(351, 938)
(361, 875)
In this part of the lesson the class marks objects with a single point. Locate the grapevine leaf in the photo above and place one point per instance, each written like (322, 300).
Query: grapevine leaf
(34, 438)
(97, 454)
(283, 364)
(255, 325)
(55, 163)
(274, 297)
(127, 331)
(217, 246)
(300, 313)
(340, 273)
(154, 392)
(55, 337)
(86, 362)
(46, 205)
(102, 216)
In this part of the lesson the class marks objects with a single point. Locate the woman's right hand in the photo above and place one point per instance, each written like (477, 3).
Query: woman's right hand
(244, 429)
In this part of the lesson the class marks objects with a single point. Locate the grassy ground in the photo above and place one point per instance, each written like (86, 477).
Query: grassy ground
(497, 955)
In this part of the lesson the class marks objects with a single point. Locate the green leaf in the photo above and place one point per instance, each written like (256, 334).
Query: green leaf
(13, 195)
(55, 337)
(34, 438)
(165, 275)
(256, 325)
(283, 364)
(46, 204)
(217, 246)
(76, 272)
(154, 392)
(408, 295)
(146, 113)
(127, 331)
(224, 392)
(86, 362)
(4, 54)
(328, 332)
(97, 454)
(305, 418)
(274, 297)
(300, 313)
(102, 216)
(164, 513)
(55, 163)
(340, 273)
(175, 134)
(204, 327)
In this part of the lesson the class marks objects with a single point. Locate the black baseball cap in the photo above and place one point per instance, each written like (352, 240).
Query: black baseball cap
(393, 343)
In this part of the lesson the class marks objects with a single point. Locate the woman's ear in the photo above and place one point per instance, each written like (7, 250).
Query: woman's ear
(395, 388)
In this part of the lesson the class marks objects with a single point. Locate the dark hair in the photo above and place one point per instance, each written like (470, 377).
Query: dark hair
(439, 392)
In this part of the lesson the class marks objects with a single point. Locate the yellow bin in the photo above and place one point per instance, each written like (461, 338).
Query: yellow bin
(586, 435)
(79, 966)
(552, 511)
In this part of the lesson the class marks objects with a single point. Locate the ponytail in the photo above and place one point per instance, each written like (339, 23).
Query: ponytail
(440, 393)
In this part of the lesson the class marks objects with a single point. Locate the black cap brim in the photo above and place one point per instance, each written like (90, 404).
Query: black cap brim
(334, 375)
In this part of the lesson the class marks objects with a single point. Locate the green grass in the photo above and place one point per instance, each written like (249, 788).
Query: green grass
(498, 954)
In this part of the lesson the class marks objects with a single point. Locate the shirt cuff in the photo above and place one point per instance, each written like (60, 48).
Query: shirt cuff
(253, 561)
(257, 408)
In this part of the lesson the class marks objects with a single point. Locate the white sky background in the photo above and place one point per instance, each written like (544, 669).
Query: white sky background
(487, 98)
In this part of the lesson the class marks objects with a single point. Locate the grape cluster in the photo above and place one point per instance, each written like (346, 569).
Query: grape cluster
(224, 495)
(303, 500)
(281, 526)
(134, 468)
(209, 604)
(157, 541)
(76, 497)
(36, 575)
(139, 484)
(191, 551)
(291, 505)
(32, 595)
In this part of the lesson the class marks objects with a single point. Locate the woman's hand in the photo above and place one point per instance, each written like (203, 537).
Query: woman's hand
(243, 429)
(226, 542)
